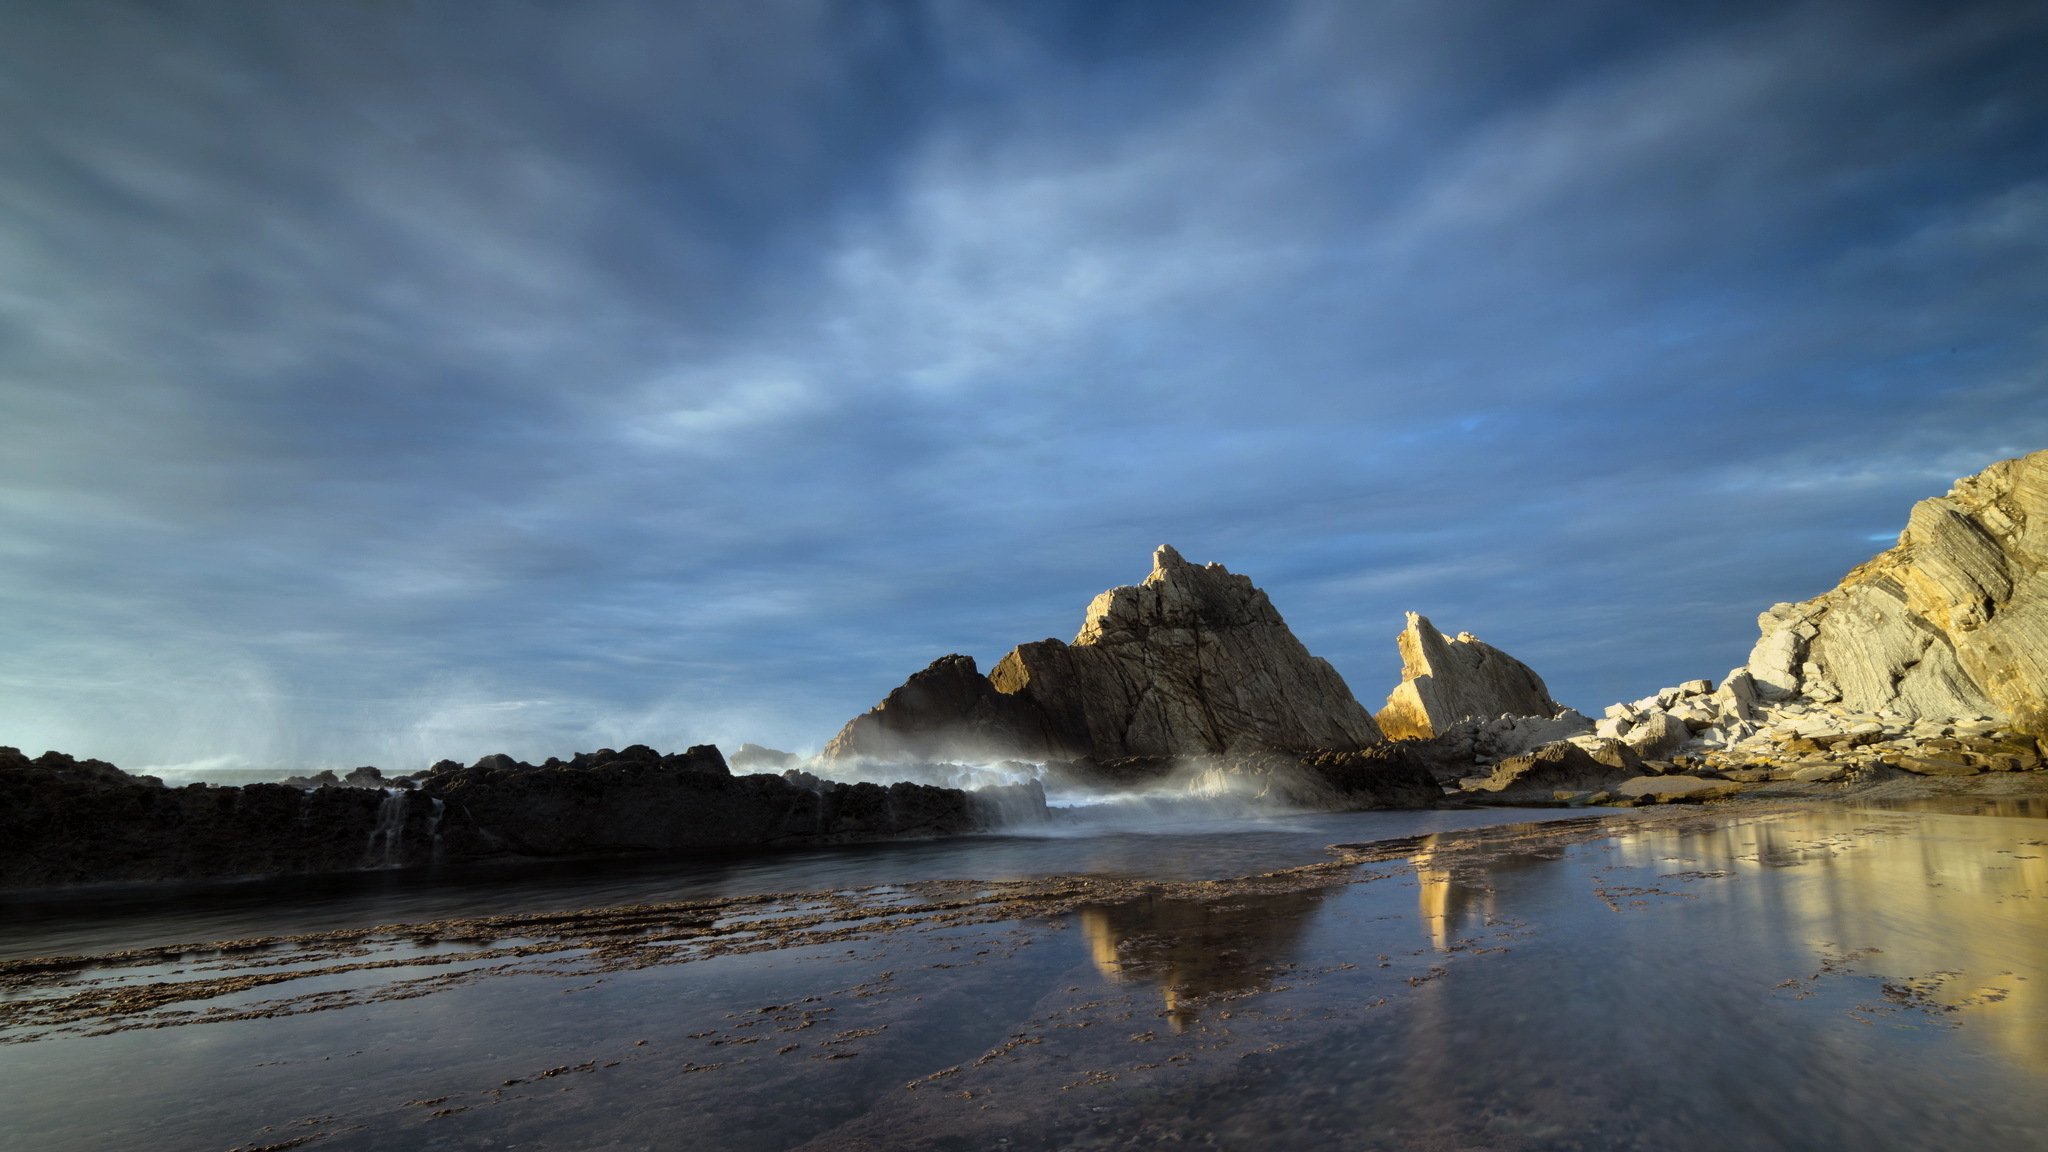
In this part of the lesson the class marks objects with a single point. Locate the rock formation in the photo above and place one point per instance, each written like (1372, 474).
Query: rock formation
(1446, 679)
(755, 758)
(1565, 766)
(1193, 661)
(71, 822)
(1952, 622)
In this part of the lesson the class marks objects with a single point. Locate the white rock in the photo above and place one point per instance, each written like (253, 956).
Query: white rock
(1659, 735)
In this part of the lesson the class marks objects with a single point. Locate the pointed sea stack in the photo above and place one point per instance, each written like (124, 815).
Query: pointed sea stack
(1445, 679)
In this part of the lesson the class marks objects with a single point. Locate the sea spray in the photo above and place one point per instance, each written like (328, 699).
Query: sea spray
(1019, 795)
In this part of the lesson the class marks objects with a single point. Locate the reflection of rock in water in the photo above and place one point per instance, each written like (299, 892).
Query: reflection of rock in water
(1944, 900)
(1447, 904)
(1193, 949)
(1453, 873)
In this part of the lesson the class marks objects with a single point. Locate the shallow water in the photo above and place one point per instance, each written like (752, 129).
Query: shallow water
(1737, 977)
(113, 917)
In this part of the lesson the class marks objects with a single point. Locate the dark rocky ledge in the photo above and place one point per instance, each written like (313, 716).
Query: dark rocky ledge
(66, 821)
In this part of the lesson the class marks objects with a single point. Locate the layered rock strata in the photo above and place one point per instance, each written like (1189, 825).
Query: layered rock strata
(1449, 679)
(1951, 622)
(70, 822)
(1193, 661)
(1931, 657)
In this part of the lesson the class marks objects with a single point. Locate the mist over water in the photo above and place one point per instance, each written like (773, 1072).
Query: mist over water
(1191, 796)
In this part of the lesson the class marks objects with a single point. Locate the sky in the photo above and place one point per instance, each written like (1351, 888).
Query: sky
(383, 382)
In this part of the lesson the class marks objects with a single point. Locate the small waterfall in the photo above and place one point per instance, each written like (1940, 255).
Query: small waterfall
(390, 829)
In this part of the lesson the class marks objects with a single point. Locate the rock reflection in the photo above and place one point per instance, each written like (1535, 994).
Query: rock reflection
(1196, 951)
(1455, 873)
(1945, 910)
(1448, 903)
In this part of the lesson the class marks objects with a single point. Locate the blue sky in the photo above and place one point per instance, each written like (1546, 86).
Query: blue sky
(390, 381)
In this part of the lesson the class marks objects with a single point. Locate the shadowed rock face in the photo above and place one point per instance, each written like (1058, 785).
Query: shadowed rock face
(1953, 621)
(1447, 679)
(1193, 661)
(949, 711)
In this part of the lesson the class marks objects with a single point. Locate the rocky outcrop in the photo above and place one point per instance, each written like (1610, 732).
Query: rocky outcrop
(1452, 754)
(1448, 679)
(1952, 622)
(1564, 767)
(1193, 661)
(638, 801)
(65, 821)
(755, 758)
(1796, 740)
(949, 711)
(69, 822)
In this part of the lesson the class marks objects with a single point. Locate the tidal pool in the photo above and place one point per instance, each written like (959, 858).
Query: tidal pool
(1731, 977)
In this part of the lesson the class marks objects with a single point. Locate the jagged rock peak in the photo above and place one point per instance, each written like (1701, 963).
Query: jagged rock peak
(1446, 679)
(1193, 660)
(1176, 596)
(1950, 622)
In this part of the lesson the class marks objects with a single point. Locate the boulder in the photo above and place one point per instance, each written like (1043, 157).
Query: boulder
(1446, 679)
(1193, 661)
(1657, 736)
(1613, 727)
(1952, 621)
(1736, 699)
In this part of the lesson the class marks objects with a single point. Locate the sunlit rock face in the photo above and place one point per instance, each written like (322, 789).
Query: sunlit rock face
(1953, 621)
(1193, 661)
(1446, 679)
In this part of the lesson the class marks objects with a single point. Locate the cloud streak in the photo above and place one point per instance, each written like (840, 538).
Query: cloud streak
(390, 383)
